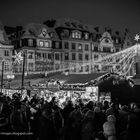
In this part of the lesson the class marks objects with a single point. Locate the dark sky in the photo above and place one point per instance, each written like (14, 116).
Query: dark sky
(118, 14)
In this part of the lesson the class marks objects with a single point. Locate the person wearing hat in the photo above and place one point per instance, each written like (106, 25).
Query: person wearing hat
(109, 132)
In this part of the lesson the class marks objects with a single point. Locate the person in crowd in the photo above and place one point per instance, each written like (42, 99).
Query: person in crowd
(88, 126)
(72, 128)
(46, 125)
(109, 132)
(132, 131)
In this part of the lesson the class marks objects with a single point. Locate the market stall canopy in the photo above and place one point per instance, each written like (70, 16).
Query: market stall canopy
(76, 78)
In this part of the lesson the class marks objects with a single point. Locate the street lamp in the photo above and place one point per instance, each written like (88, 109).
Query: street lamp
(2, 75)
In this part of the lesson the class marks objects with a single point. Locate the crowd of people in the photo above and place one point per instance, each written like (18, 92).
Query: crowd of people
(38, 119)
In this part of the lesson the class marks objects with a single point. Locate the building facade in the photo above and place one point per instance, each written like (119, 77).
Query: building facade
(6, 51)
(35, 41)
(67, 45)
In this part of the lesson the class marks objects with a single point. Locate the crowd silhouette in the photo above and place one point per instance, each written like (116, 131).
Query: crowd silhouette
(37, 119)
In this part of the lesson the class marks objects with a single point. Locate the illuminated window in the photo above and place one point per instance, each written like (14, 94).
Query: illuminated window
(41, 43)
(86, 35)
(73, 35)
(79, 46)
(47, 44)
(76, 35)
(6, 66)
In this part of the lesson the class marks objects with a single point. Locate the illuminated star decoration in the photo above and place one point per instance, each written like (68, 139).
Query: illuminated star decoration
(18, 58)
(137, 37)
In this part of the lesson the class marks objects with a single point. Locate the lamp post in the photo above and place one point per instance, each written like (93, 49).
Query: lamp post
(2, 75)
(23, 72)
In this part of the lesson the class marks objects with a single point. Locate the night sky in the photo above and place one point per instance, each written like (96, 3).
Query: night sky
(118, 14)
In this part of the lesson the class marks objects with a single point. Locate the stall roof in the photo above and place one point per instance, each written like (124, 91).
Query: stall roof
(76, 78)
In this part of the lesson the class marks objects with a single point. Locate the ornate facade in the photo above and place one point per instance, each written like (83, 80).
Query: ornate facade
(67, 45)
(6, 51)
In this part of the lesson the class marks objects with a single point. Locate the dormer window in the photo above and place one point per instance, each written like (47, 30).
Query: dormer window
(41, 43)
(76, 35)
(86, 35)
(30, 42)
(73, 35)
(47, 44)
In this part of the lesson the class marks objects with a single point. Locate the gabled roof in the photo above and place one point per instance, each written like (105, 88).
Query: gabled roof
(35, 29)
(3, 36)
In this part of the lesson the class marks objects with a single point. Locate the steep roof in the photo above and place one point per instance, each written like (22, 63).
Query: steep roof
(3, 35)
(35, 29)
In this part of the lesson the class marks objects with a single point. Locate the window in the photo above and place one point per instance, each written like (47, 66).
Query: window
(30, 55)
(128, 44)
(56, 56)
(80, 56)
(73, 46)
(31, 66)
(41, 43)
(6, 53)
(44, 55)
(87, 68)
(30, 42)
(96, 56)
(95, 48)
(57, 66)
(96, 67)
(86, 35)
(49, 56)
(86, 47)
(86, 57)
(81, 69)
(106, 49)
(66, 56)
(117, 40)
(6, 66)
(57, 45)
(38, 55)
(66, 45)
(73, 35)
(47, 44)
(73, 56)
(79, 46)
(76, 35)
